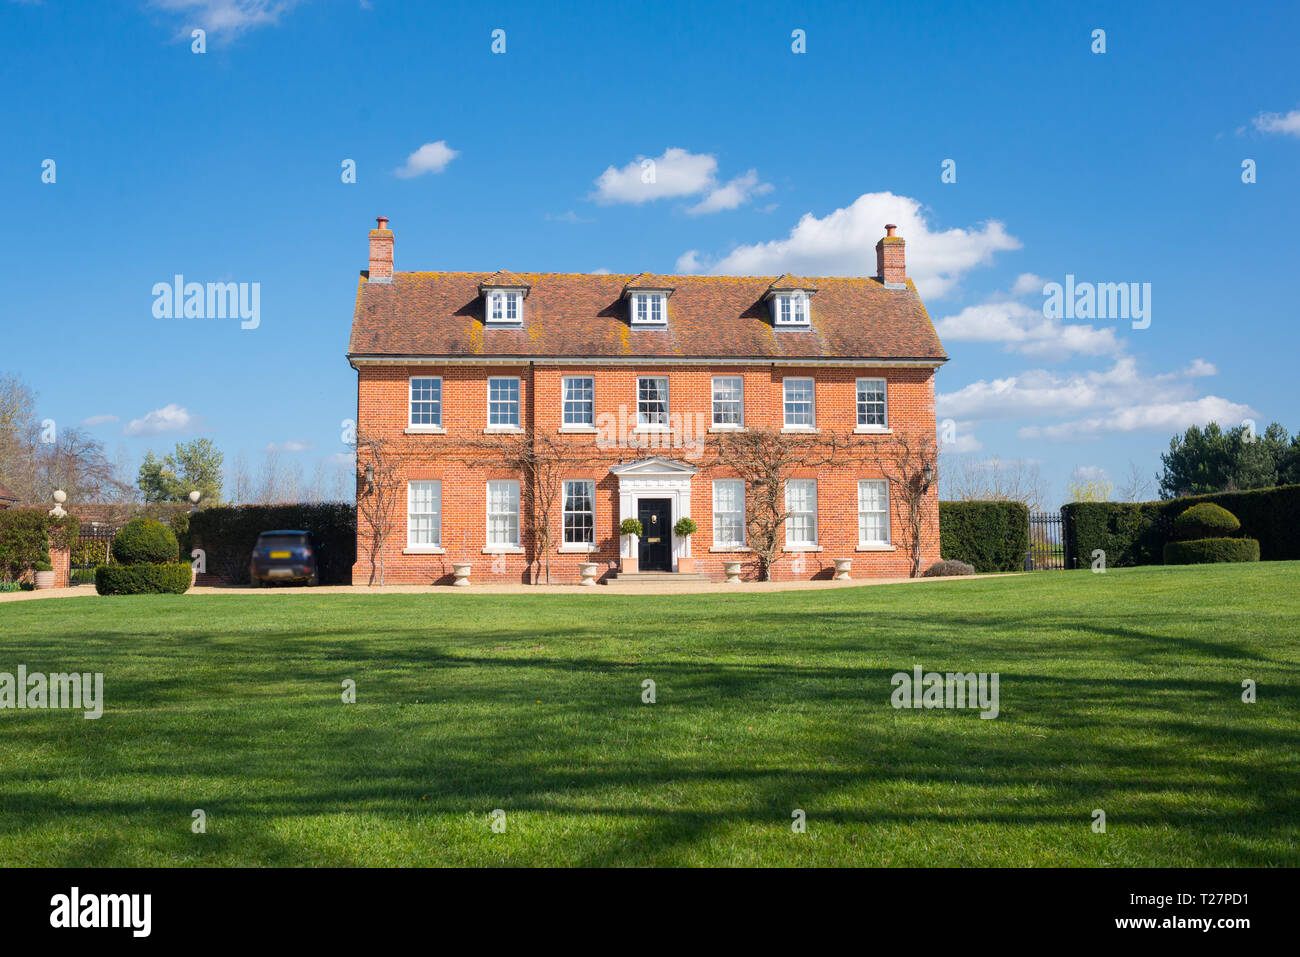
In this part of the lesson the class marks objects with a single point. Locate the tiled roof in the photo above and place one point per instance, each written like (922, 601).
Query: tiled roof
(506, 279)
(787, 281)
(439, 314)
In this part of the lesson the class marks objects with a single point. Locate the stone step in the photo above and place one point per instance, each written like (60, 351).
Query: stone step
(655, 578)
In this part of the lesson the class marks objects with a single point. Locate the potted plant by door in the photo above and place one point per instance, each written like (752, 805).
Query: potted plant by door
(43, 573)
(685, 528)
(630, 529)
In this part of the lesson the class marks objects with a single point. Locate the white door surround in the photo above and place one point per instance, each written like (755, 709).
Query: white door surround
(655, 477)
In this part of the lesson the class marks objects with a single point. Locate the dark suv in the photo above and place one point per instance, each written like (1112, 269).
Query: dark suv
(288, 555)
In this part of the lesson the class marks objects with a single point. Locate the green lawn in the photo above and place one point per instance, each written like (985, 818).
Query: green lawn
(1119, 691)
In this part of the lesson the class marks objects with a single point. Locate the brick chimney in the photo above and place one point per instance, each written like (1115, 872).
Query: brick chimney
(889, 259)
(381, 251)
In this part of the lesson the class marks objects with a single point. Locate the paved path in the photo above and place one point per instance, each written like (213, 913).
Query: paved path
(671, 588)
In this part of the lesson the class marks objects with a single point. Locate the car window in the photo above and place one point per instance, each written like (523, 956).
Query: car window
(281, 541)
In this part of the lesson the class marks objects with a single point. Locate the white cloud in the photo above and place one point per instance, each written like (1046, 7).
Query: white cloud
(99, 420)
(1026, 283)
(689, 262)
(292, 445)
(342, 458)
(1089, 473)
(429, 158)
(1039, 393)
(1287, 124)
(964, 442)
(1026, 330)
(170, 418)
(569, 217)
(843, 243)
(735, 193)
(1115, 400)
(676, 174)
(226, 17)
(1155, 416)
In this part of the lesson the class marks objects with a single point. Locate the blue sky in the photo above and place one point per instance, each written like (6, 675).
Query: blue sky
(1122, 166)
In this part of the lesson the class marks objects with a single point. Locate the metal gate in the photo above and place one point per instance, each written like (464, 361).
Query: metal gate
(1046, 542)
(91, 549)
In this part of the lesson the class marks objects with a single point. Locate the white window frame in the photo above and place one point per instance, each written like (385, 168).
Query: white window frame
(513, 500)
(884, 392)
(590, 401)
(653, 426)
(500, 302)
(791, 309)
(812, 403)
(565, 512)
(863, 541)
(739, 400)
(518, 403)
(410, 402)
(719, 542)
(435, 514)
(653, 306)
(791, 542)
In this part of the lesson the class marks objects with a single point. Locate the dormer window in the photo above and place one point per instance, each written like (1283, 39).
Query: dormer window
(647, 301)
(790, 308)
(505, 306)
(503, 299)
(649, 308)
(790, 299)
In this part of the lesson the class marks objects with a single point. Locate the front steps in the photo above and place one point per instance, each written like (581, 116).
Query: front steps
(633, 581)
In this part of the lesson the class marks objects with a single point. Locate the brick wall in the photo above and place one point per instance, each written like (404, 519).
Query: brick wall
(383, 412)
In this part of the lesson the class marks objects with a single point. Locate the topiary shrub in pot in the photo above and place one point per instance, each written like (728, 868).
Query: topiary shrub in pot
(630, 529)
(43, 574)
(685, 528)
(144, 541)
(948, 568)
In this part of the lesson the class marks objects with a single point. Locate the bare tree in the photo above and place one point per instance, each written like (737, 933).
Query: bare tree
(381, 478)
(909, 463)
(1135, 486)
(765, 459)
(995, 480)
(542, 461)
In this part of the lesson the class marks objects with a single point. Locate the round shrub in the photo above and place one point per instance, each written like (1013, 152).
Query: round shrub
(1204, 551)
(144, 541)
(1206, 520)
(630, 526)
(42, 567)
(685, 526)
(947, 568)
(168, 578)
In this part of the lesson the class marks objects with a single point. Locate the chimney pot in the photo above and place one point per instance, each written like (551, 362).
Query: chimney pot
(381, 222)
(889, 228)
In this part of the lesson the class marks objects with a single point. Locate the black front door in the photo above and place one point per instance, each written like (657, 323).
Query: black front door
(655, 553)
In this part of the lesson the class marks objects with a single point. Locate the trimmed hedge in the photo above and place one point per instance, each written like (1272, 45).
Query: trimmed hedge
(227, 534)
(991, 536)
(143, 579)
(145, 542)
(1204, 551)
(1135, 534)
(1206, 520)
(26, 535)
(947, 569)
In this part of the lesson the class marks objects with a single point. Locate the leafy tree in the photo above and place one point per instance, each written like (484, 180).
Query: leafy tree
(193, 465)
(1214, 460)
(1090, 490)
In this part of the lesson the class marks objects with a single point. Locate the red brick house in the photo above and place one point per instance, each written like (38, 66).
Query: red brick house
(7, 497)
(639, 374)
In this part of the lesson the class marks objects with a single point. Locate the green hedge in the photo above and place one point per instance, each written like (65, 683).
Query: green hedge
(992, 536)
(1136, 533)
(142, 541)
(227, 534)
(144, 579)
(1203, 551)
(26, 535)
